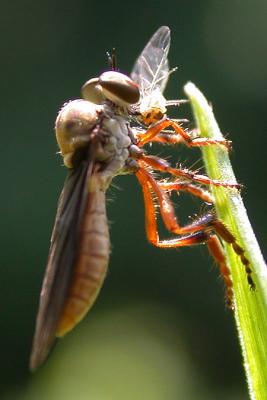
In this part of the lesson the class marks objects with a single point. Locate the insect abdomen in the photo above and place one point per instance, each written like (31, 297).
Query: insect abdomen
(91, 263)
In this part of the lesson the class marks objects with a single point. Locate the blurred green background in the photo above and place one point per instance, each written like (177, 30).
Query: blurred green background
(159, 329)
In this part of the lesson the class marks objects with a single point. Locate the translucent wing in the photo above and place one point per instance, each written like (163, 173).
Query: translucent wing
(60, 260)
(151, 69)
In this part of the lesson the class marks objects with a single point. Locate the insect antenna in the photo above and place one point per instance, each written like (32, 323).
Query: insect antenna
(112, 60)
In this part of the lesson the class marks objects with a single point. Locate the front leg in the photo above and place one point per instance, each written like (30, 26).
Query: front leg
(159, 164)
(158, 127)
(187, 187)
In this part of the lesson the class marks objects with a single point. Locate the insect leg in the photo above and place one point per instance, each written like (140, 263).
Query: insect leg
(160, 164)
(204, 230)
(158, 127)
(161, 137)
(206, 222)
(187, 187)
(217, 252)
(167, 211)
(151, 219)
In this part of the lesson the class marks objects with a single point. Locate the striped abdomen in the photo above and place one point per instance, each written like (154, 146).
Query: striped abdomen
(91, 263)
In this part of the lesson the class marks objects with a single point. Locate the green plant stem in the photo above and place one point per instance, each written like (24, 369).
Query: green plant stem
(250, 306)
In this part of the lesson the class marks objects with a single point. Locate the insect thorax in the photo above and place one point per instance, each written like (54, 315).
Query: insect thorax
(152, 107)
(151, 116)
(81, 122)
(114, 149)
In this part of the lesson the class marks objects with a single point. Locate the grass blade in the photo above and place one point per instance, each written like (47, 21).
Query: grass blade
(250, 306)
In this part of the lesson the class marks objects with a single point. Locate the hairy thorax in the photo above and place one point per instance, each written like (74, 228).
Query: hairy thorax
(81, 122)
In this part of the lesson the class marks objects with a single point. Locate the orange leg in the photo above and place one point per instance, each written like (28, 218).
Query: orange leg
(167, 210)
(169, 136)
(157, 128)
(167, 214)
(162, 165)
(187, 187)
(200, 231)
(217, 252)
(162, 137)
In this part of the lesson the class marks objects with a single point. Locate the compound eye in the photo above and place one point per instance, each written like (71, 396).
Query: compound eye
(119, 88)
(92, 91)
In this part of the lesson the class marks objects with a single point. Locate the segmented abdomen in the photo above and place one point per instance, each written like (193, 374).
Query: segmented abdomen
(91, 263)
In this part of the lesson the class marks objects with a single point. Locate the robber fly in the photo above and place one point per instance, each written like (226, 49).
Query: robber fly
(101, 136)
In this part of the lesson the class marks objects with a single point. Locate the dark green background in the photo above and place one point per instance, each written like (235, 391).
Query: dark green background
(159, 329)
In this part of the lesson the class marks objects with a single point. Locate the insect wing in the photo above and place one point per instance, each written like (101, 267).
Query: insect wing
(151, 69)
(64, 243)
